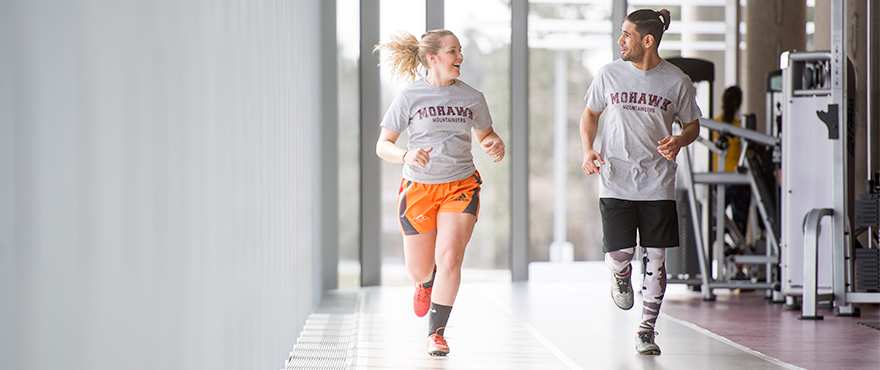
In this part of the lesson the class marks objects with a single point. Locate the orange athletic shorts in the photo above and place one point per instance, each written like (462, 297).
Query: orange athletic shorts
(418, 204)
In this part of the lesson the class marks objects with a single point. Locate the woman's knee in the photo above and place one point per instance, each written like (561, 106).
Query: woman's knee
(450, 259)
(420, 274)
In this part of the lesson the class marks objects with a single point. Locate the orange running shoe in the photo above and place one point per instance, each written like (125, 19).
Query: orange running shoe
(437, 345)
(421, 300)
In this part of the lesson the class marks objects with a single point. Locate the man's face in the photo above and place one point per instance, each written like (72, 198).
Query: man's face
(630, 41)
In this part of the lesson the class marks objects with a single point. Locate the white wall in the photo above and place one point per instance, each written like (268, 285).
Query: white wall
(157, 182)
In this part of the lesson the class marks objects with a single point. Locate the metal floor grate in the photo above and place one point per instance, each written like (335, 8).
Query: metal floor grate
(328, 340)
(875, 325)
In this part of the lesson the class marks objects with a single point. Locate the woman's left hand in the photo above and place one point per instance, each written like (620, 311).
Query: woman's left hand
(494, 147)
(491, 143)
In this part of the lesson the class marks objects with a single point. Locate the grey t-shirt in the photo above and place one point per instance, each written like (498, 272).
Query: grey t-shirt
(640, 107)
(439, 118)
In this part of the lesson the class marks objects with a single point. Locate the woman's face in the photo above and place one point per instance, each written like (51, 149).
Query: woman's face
(447, 63)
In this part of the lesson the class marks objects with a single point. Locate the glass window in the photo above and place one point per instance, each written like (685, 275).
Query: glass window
(348, 38)
(483, 27)
(580, 34)
(395, 16)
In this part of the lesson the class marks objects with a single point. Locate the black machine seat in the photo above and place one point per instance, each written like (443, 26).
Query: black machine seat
(698, 70)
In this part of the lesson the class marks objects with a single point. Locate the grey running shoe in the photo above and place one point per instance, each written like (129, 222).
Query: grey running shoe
(622, 291)
(645, 343)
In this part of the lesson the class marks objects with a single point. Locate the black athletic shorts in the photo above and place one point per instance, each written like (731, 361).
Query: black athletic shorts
(656, 221)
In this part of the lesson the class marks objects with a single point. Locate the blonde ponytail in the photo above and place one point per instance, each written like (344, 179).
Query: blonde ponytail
(406, 53)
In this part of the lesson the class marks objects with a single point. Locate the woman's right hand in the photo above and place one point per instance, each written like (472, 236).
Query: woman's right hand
(418, 157)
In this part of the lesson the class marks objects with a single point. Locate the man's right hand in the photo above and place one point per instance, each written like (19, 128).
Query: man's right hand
(591, 157)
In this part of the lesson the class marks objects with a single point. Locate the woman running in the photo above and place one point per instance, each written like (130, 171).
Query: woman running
(438, 200)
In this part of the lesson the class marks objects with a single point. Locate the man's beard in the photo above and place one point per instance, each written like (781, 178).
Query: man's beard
(632, 56)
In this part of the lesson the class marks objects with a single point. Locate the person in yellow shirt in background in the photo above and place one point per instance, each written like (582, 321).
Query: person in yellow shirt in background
(738, 197)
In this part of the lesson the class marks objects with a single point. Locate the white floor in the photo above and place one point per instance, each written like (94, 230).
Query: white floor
(560, 319)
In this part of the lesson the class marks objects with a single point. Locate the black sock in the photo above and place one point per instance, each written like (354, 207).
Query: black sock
(437, 318)
(431, 282)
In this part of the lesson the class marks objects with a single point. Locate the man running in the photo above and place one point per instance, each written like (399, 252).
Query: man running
(642, 94)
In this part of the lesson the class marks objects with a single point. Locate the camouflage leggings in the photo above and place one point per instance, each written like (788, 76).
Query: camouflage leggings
(654, 283)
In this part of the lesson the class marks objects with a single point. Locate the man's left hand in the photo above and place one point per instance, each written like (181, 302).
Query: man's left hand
(670, 146)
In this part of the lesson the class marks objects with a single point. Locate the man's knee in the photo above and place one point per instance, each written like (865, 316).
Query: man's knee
(619, 260)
